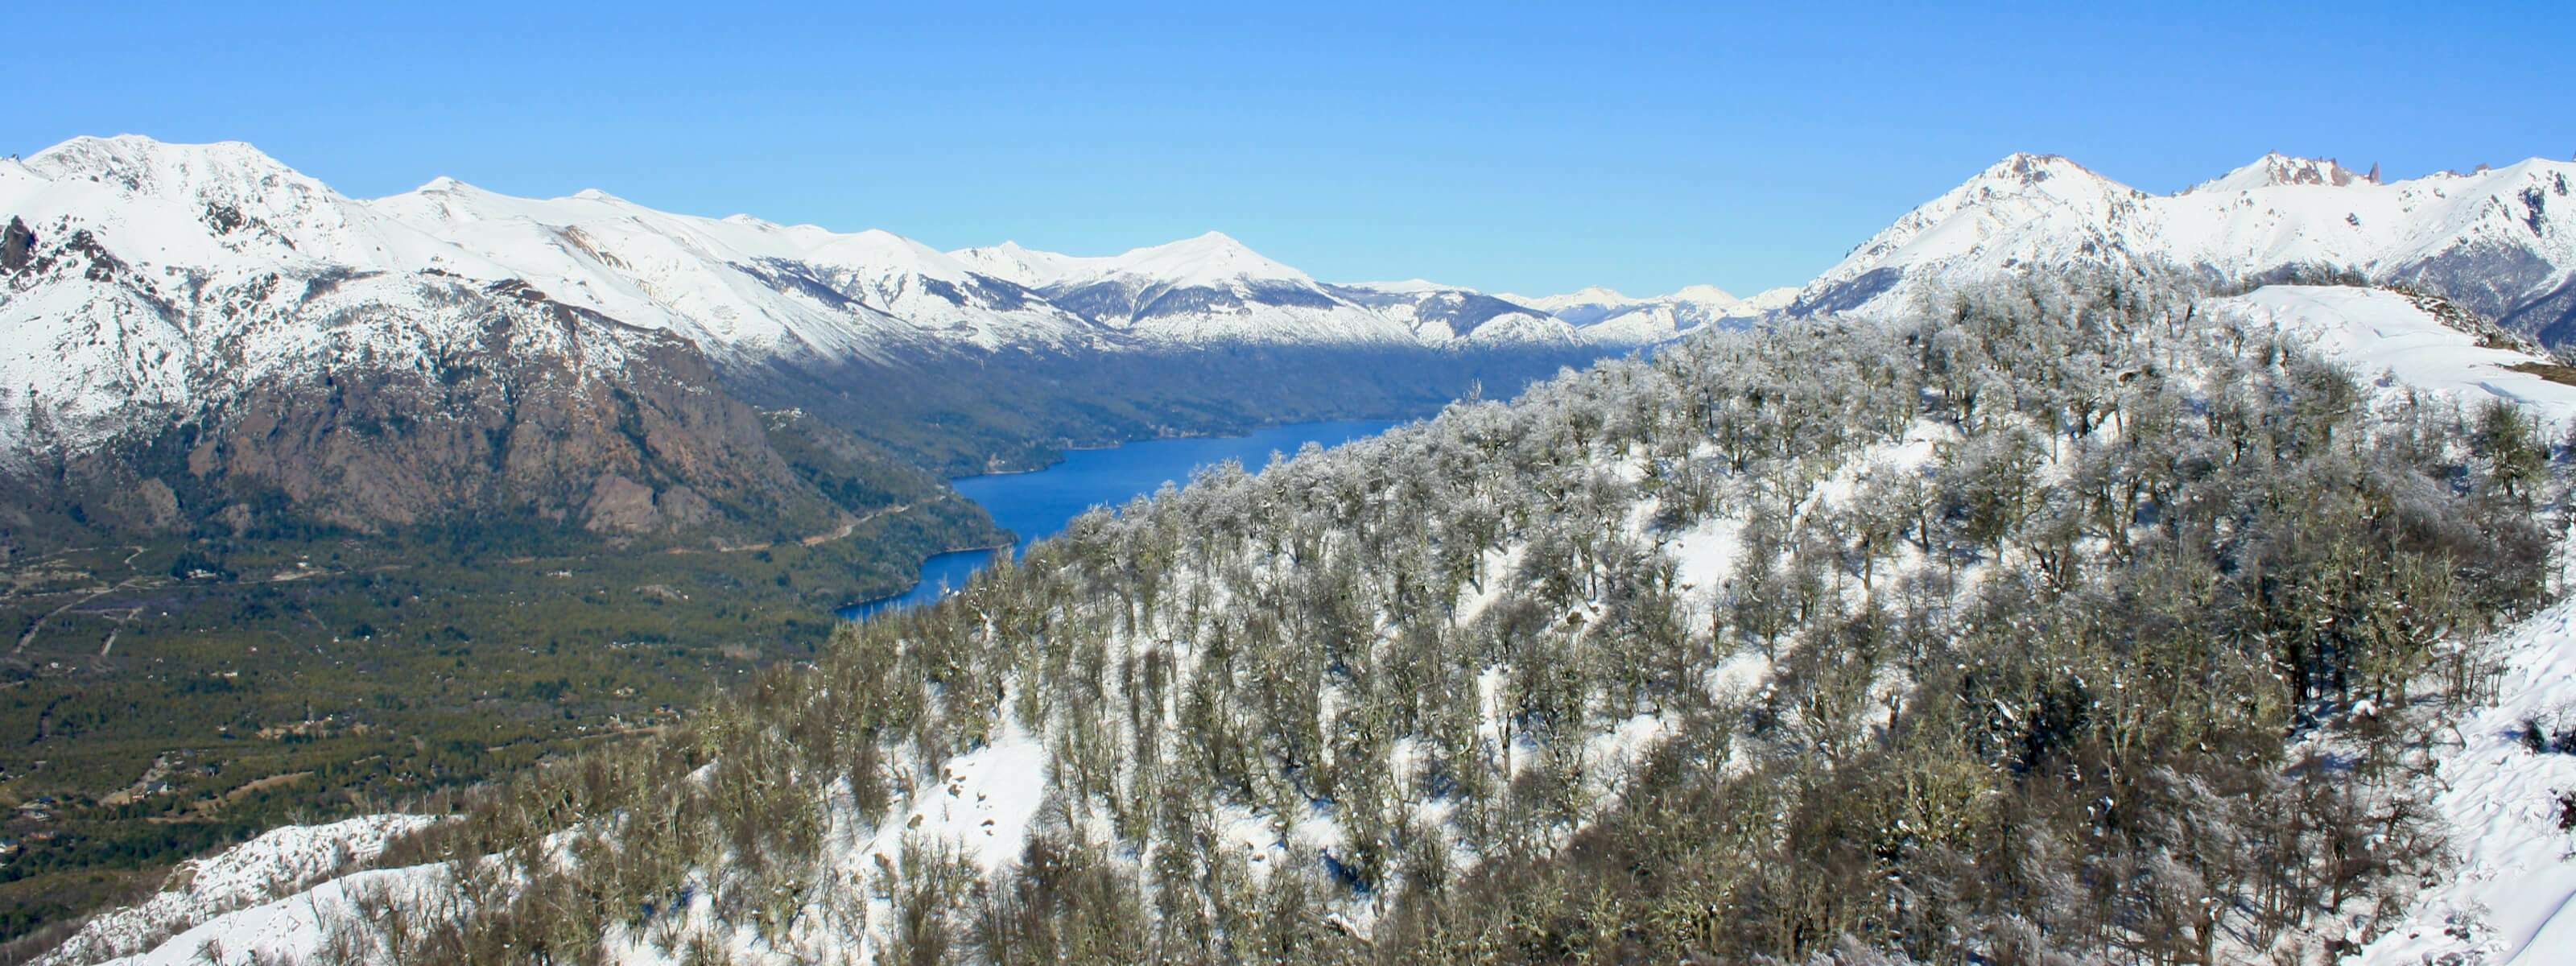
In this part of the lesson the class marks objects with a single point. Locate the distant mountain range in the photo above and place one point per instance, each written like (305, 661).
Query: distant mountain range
(373, 361)
(190, 331)
(739, 287)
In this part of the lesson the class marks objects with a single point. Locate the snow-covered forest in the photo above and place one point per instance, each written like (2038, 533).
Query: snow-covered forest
(2074, 620)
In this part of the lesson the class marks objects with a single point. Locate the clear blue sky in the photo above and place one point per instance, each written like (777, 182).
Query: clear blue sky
(1507, 148)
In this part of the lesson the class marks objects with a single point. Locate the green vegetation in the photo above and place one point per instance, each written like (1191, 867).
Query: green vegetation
(2562, 375)
(178, 696)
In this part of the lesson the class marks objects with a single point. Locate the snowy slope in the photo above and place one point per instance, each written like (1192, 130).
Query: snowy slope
(1212, 288)
(2512, 898)
(737, 283)
(228, 893)
(1026, 267)
(163, 277)
(1207, 260)
(210, 206)
(2495, 239)
(2386, 334)
(1769, 300)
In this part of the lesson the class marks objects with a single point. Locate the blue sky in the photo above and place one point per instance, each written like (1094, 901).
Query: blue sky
(1531, 149)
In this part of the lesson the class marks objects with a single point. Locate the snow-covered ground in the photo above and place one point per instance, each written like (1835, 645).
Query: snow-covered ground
(249, 897)
(2383, 334)
(2512, 899)
(983, 804)
(286, 930)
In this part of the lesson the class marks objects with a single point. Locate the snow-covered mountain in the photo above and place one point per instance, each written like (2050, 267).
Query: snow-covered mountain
(2276, 169)
(739, 285)
(149, 288)
(184, 221)
(2498, 240)
(1451, 314)
(277, 337)
(1208, 289)
(1609, 316)
(1213, 288)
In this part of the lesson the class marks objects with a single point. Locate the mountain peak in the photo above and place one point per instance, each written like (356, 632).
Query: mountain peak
(879, 239)
(1207, 259)
(2045, 178)
(1594, 297)
(1019, 264)
(2274, 169)
(147, 164)
(882, 251)
(1703, 293)
(1212, 243)
(2027, 169)
(2023, 174)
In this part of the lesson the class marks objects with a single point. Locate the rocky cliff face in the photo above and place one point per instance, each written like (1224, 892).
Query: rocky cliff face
(379, 401)
(649, 445)
(201, 338)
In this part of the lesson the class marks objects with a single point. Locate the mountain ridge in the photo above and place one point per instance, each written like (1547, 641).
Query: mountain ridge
(2493, 239)
(145, 285)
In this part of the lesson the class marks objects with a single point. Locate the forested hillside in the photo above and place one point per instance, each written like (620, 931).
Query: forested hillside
(2070, 622)
(439, 484)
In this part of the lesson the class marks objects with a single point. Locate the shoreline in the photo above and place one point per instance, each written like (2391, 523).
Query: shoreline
(1059, 457)
(1056, 454)
(917, 581)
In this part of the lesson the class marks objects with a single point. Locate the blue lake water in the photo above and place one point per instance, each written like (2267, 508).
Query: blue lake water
(1037, 504)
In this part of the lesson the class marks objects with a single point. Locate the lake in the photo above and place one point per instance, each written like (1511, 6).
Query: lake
(1036, 505)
